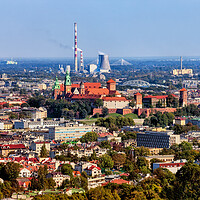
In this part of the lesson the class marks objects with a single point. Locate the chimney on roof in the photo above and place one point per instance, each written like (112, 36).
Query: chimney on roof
(181, 63)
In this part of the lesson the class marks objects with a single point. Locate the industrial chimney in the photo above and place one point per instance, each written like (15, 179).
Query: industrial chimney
(181, 63)
(75, 48)
(81, 65)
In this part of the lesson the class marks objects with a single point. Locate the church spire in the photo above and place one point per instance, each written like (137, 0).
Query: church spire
(67, 79)
(56, 84)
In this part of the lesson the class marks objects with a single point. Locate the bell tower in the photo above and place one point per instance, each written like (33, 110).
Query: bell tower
(82, 88)
(56, 89)
(67, 83)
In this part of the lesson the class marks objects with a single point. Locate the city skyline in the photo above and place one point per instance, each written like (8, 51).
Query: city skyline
(129, 29)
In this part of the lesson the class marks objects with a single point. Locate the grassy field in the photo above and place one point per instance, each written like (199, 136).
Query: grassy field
(92, 120)
(131, 115)
(114, 115)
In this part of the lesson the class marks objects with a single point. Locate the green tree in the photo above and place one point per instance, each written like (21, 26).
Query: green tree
(93, 156)
(141, 161)
(89, 137)
(119, 159)
(132, 103)
(36, 101)
(105, 145)
(105, 111)
(44, 153)
(67, 169)
(142, 151)
(100, 193)
(164, 175)
(187, 182)
(10, 171)
(106, 162)
(98, 103)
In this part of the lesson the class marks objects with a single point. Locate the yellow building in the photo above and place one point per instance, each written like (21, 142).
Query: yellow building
(177, 72)
(8, 125)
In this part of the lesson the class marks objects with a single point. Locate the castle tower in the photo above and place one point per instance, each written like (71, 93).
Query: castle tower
(183, 97)
(56, 89)
(138, 100)
(67, 83)
(82, 88)
(111, 86)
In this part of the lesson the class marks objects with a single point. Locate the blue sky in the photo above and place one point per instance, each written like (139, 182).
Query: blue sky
(121, 28)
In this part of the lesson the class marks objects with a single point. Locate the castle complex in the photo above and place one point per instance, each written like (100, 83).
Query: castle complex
(92, 91)
(112, 99)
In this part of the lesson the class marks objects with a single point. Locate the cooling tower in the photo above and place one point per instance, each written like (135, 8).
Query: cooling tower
(104, 64)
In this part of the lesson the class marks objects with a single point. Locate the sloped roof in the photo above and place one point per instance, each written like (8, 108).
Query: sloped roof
(114, 99)
(12, 146)
(93, 166)
(137, 94)
(183, 89)
(111, 81)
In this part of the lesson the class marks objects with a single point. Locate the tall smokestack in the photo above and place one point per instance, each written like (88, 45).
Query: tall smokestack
(75, 48)
(81, 65)
(181, 63)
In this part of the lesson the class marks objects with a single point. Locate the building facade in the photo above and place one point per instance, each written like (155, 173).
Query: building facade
(157, 139)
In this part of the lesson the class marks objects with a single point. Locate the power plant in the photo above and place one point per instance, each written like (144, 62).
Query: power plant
(104, 65)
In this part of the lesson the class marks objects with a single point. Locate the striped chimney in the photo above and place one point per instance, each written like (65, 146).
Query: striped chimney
(75, 48)
(82, 67)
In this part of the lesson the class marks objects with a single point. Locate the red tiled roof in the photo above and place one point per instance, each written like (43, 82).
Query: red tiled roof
(97, 91)
(111, 81)
(76, 173)
(183, 89)
(41, 142)
(92, 85)
(92, 167)
(119, 181)
(124, 174)
(137, 94)
(12, 146)
(84, 96)
(104, 134)
(157, 97)
(114, 99)
(75, 86)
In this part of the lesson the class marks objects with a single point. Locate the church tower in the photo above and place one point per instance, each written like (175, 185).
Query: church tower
(56, 89)
(82, 88)
(67, 83)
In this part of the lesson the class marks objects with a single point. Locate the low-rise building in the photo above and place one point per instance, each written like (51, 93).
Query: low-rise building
(163, 158)
(93, 171)
(5, 149)
(37, 146)
(96, 181)
(58, 178)
(69, 132)
(173, 166)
